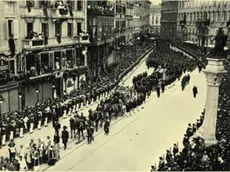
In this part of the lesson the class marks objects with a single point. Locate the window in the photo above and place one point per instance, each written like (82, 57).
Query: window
(45, 29)
(30, 3)
(79, 5)
(10, 27)
(29, 29)
(156, 20)
(225, 16)
(70, 29)
(79, 29)
(58, 29)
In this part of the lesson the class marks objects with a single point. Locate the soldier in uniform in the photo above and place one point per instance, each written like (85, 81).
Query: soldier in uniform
(21, 127)
(39, 118)
(3, 133)
(72, 127)
(12, 127)
(31, 123)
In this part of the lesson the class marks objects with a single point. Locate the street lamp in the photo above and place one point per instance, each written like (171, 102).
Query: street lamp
(37, 91)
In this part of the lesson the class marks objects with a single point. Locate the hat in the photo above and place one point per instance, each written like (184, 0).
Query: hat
(64, 127)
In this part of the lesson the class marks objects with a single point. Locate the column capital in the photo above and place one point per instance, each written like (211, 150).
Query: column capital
(214, 71)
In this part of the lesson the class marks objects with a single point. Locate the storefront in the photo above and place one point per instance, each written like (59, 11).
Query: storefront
(37, 90)
(72, 84)
(46, 68)
(8, 88)
(9, 93)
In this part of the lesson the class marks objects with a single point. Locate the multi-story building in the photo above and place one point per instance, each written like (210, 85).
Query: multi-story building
(54, 42)
(169, 13)
(141, 16)
(10, 55)
(120, 22)
(154, 19)
(50, 41)
(101, 30)
(198, 21)
(129, 20)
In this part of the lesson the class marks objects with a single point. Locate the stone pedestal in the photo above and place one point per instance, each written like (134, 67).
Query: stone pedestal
(214, 73)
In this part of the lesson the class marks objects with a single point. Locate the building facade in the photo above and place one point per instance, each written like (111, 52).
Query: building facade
(50, 40)
(169, 15)
(198, 21)
(101, 28)
(154, 19)
(46, 46)
(10, 55)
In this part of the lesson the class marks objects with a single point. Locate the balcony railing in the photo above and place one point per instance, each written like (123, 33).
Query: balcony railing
(100, 11)
(33, 43)
(40, 43)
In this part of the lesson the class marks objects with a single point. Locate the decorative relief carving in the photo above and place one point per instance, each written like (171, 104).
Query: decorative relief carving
(214, 79)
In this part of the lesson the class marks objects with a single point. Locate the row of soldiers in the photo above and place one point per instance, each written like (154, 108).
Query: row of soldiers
(18, 123)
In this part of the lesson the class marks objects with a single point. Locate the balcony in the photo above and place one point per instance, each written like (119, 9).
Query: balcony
(84, 38)
(101, 11)
(60, 13)
(203, 22)
(30, 43)
(183, 22)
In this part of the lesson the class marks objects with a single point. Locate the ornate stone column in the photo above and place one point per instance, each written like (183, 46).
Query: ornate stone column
(214, 73)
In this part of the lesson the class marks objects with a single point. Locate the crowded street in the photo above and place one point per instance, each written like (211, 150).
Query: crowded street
(114, 85)
(140, 139)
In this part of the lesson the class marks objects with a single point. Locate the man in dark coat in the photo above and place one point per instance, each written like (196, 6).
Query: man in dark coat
(90, 132)
(65, 137)
(57, 126)
(163, 87)
(195, 91)
(158, 91)
(106, 127)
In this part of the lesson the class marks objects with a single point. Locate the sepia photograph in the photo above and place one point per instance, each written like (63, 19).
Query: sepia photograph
(114, 85)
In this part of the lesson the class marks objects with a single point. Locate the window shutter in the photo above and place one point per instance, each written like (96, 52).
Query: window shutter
(16, 28)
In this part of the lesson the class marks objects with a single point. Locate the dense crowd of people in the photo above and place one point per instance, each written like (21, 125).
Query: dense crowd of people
(195, 156)
(16, 124)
